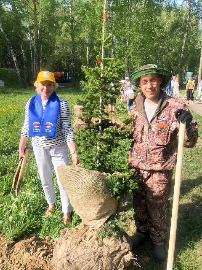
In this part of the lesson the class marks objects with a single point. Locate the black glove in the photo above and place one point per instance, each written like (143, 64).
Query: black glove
(183, 116)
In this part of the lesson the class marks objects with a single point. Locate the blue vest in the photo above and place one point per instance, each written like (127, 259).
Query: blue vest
(43, 123)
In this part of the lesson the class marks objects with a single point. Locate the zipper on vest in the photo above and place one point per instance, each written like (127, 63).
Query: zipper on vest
(147, 148)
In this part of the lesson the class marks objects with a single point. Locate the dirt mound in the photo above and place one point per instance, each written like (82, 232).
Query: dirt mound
(30, 253)
(79, 248)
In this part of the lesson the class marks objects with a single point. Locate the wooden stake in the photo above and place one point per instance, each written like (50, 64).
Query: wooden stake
(102, 62)
(176, 196)
(19, 172)
(102, 68)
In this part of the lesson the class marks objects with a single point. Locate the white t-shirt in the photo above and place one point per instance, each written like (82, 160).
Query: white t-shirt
(149, 109)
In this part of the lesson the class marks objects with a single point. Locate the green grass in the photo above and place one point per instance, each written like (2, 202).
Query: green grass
(25, 214)
(189, 241)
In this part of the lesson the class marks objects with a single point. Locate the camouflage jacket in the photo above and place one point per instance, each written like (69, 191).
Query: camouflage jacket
(154, 144)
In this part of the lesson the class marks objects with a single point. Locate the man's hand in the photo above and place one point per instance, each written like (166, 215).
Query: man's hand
(183, 116)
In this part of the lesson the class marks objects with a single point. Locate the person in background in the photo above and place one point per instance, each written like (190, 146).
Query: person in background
(168, 88)
(190, 89)
(47, 121)
(129, 96)
(171, 85)
(126, 85)
(156, 117)
(176, 88)
(112, 91)
(199, 96)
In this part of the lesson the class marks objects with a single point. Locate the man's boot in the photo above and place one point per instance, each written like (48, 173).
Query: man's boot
(139, 239)
(159, 252)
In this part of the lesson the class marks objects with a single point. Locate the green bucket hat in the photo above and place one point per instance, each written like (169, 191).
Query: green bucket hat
(151, 69)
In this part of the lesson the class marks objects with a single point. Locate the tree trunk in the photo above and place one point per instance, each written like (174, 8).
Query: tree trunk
(87, 56)
(26, 73)
(36, 42)
(102, 68)
(127, 59)
(31, 42)
(72, 43)
(102, 59)
(184, 44)
(13, 55)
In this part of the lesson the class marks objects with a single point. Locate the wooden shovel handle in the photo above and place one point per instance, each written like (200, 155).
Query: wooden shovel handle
(15, 178)
(176, 196)
(24, 160)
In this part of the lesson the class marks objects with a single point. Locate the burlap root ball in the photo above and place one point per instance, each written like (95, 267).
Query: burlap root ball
(88, 194)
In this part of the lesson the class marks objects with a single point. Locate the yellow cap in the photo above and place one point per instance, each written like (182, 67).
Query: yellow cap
(45, 76)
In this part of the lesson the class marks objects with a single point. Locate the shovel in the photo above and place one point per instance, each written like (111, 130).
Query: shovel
(176, 196)
(19, 172)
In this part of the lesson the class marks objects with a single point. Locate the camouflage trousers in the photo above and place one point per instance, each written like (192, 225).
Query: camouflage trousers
(150, 203)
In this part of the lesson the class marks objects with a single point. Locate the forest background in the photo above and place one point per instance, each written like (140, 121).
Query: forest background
(65, 36)
(62, 35)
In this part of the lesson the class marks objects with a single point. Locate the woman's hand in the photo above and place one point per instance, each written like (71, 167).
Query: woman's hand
(21, 153)
(72, 149)
(74, 159)
(22, 145)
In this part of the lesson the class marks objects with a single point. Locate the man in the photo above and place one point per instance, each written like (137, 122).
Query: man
(48, 122)
(190, 89)
(153, 152)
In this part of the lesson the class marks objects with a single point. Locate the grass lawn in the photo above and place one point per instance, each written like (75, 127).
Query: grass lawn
(25, 214)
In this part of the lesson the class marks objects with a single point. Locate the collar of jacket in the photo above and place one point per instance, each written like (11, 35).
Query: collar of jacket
(163, 102)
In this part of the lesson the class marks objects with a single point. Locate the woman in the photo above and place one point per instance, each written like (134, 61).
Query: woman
(176, 89)
(47, 121)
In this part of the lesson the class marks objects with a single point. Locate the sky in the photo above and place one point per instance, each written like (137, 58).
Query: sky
(179, 2)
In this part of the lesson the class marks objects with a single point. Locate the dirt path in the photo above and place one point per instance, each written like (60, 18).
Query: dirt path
(196, 106)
